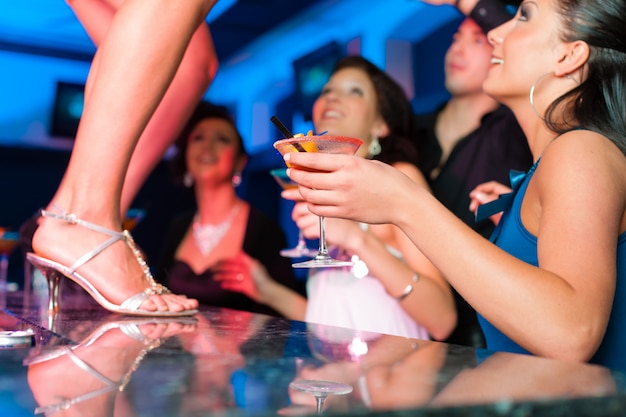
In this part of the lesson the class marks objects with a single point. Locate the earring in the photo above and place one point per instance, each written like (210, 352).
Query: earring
(188, 179)
(531, 96)
(236, 180)
(374, 147)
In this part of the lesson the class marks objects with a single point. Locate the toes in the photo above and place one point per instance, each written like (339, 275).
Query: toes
(161, 304)
(182, 301)
(170, 302)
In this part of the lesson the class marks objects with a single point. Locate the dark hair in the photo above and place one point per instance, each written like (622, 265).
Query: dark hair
(203, 111)
(599, 102)
(394, 108)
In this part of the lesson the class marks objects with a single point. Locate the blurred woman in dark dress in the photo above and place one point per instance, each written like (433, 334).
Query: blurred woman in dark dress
(224, 252)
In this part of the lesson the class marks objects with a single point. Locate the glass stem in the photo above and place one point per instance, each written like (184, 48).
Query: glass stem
(4, 266)
(301, 242)
(323, 249)
(319, 400)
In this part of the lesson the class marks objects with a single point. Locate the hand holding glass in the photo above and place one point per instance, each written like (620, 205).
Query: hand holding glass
(324, 144)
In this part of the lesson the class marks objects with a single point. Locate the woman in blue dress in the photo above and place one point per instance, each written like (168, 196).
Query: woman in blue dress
(552, 284)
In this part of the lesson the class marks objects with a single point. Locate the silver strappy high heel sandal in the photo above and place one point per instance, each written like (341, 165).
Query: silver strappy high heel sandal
(53, 271)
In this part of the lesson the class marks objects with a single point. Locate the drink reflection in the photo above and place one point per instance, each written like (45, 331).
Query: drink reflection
(239, 363)
(385, 371)
(393, 373)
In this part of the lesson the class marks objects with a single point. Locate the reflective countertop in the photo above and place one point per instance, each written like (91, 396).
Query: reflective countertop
(85, 361)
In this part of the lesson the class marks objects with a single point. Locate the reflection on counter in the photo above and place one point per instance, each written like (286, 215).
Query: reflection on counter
(88, 362)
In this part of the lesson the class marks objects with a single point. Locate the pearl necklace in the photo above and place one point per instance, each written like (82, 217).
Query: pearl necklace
(208, 236)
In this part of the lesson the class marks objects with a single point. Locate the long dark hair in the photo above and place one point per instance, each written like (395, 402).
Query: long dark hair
(599, 102)
(393, 106)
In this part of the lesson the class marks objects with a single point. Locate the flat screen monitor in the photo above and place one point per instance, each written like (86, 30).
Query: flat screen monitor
(311, 74)
(68, 108)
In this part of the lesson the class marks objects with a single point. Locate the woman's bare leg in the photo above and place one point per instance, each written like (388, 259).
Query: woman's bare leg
(191, 81)
(196, 71)
(137, 61)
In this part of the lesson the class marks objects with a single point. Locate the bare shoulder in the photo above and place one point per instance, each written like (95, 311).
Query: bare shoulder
(581, 164)
(586, 153)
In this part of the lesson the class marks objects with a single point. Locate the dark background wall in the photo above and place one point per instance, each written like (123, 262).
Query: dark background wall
(30, 176)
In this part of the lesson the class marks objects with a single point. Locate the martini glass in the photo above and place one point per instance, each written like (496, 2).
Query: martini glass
(8, 242)
(300, 250)
(321, 390)
(324, 144)
(133, 217)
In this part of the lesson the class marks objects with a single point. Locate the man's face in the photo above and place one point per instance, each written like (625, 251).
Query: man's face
(467, 60)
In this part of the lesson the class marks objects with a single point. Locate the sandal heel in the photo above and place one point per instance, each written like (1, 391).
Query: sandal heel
(53, 279)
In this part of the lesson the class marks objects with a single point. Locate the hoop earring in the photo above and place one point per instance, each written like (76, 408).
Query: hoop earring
(374, 147)
(188, 179)
(531, 95)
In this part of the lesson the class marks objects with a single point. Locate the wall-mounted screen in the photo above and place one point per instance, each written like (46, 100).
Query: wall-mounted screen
(311, 74)
(67, 110)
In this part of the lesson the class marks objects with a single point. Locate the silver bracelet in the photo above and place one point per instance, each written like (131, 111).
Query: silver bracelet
(408, 289)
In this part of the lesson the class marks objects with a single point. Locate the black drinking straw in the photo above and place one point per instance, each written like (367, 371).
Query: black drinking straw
(280, 126)
(286, 132)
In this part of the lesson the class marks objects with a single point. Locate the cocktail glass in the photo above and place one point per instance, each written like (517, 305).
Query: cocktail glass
(324, 144)
(300, 250)
(133, 217)
(321, 390)
(8, 242)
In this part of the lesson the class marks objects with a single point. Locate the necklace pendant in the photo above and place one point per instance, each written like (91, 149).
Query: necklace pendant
(208, 236)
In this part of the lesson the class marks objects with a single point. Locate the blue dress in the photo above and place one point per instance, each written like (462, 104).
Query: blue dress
(512, 236)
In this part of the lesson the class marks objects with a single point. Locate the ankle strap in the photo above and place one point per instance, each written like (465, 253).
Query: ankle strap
(72, 219)
(67, 403)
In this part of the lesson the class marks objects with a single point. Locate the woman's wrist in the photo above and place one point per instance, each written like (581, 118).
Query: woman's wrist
(407, 207)
(265, 290)
(408, 289)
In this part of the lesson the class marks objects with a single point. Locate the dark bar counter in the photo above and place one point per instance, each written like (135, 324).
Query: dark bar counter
(84, 361)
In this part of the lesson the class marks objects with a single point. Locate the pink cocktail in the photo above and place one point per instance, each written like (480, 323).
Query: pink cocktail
(325, 144)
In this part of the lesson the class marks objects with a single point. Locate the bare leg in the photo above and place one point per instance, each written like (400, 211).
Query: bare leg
(195, 73)
(136, 63)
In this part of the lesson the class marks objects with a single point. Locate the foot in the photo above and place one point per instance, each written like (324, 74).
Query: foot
(115, 272)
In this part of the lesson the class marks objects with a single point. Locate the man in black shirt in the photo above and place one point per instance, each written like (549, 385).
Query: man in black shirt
(470, 139)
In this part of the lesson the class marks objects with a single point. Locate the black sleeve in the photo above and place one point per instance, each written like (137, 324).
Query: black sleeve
(425, 140)
(263, 241)
(489, 14)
